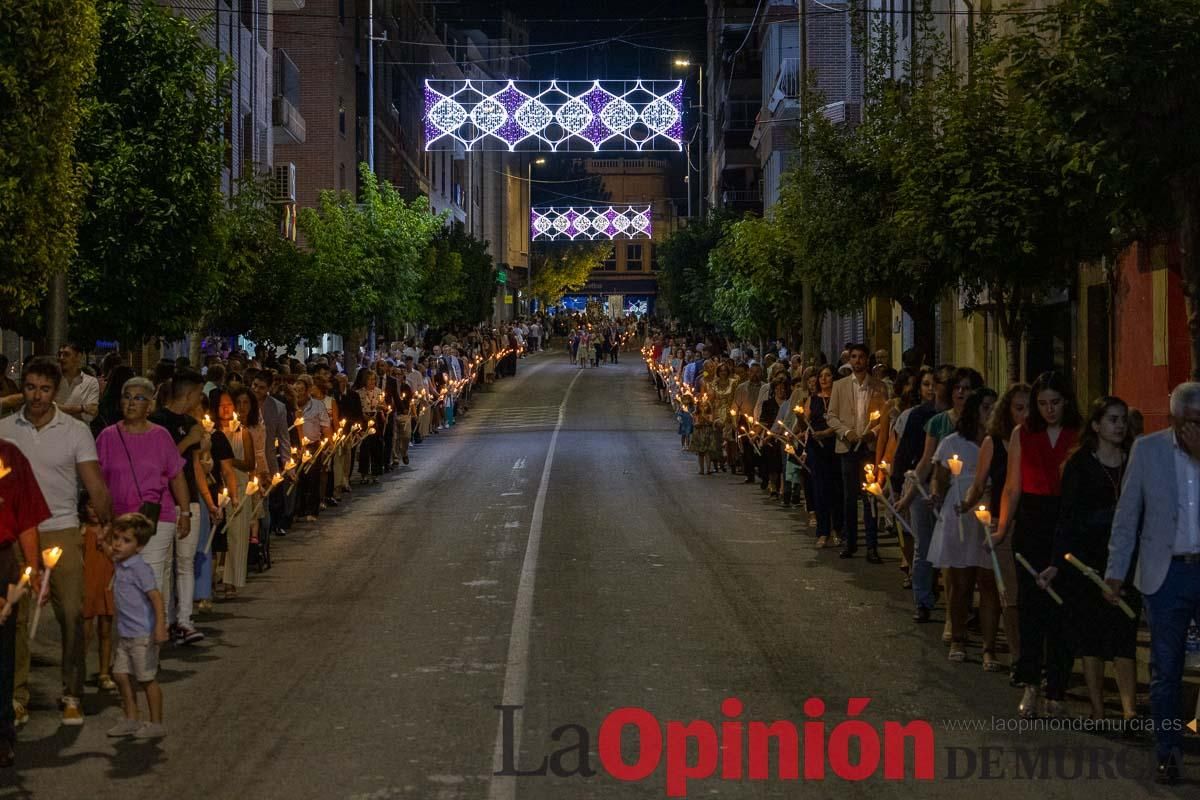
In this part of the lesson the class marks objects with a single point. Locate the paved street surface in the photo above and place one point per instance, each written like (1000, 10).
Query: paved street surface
(366, 664)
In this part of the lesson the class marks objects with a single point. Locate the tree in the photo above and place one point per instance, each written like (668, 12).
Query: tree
(47, 51)
(684, 282)
(756, 286)
(990, 197)
(263, 280)
(840, 200)
(152, 145)
(1115, 84)
(559, 269)
(370, 256)
(477, 281)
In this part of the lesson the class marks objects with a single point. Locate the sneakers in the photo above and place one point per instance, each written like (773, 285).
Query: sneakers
(72, 711)
(20, 714)
(185, 634)
(106, 683)
(126, 727)
(151, 730)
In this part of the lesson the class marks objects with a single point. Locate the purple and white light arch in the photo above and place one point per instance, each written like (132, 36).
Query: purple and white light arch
(590, 222)
(555, 115)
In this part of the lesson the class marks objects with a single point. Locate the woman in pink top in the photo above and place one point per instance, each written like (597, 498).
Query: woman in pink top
(141, 464)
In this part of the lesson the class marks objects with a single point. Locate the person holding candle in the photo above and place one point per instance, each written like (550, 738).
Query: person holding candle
(919, 441)
(97, 593)
(141, 627)
(1157, 524)
(722, 390)
(214, 475)
(1091, 484)
(370, 397)
(822, 460)
(772, 452)
(316, 426)
(1029, 511)
(22, 510)
(958, 547)
(990, 475)
(62, 452)
(179, 418)
(248, 463)
(745, 397)
(854, 400)
(704, 442)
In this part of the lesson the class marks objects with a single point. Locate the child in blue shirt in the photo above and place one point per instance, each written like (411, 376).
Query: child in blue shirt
(141, 626)
(686, 423)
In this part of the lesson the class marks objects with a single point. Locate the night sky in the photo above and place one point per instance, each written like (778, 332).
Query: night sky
(567, 39)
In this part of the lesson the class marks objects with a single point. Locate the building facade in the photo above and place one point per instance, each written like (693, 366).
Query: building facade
(628, 277)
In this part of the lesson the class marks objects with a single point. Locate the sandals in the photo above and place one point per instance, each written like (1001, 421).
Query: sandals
(106, 683)
(822, 541)
(990, 664)
(957, 653)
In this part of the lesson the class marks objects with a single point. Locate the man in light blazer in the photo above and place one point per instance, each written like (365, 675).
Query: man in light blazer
(853, 399)
(1158, 516)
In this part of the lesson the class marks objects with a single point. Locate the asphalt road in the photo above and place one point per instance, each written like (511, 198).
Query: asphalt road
(369, 661)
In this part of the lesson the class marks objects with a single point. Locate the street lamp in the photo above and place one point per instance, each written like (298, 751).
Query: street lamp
(686, 63)
(528, 230)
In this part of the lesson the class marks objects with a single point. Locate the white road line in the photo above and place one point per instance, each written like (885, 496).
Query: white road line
(516, 670)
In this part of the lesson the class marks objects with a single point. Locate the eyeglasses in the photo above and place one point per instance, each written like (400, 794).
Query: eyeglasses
(136, 398)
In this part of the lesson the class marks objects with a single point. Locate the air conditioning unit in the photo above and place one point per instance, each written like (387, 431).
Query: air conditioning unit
(284, 183)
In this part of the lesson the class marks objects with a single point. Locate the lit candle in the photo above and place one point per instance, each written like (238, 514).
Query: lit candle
(276, 479)
(955, 464)
(984, 516)
(26, 577)
(50, 557)
(299, 423)
(234, 424)
(207, 422)
(290, 465)
(874, 489)
(1095, 578)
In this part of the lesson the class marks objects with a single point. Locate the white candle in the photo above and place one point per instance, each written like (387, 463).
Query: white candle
(50, 557)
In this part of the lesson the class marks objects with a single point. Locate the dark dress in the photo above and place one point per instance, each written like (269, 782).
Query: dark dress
(1045, 638)
(827, 480)
(1089, 498)
(998, 472)
(771, 462)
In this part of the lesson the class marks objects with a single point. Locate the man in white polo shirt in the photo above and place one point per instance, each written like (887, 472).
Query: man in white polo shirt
(78, 393)
(63, 455)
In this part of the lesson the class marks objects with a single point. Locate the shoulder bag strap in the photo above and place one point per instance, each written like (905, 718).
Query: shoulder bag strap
(129, 458)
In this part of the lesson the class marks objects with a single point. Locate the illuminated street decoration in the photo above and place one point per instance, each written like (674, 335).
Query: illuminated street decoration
(554, 115)
(590, 222)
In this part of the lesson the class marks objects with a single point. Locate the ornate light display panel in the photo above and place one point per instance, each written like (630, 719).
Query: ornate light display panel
(590, 222)
(554, 116)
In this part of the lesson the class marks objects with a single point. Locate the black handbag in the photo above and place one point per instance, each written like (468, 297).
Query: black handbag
(149, 510)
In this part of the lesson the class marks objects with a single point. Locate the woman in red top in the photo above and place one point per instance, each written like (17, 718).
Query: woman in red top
(1032, 493)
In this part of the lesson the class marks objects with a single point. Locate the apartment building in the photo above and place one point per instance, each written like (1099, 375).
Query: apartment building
(628, 277)
(733, 175)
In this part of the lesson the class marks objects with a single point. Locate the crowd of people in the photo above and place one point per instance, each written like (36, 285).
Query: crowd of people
(132, 503)
(1023, 512)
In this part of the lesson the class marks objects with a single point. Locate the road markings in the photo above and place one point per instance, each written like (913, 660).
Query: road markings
(516, 670)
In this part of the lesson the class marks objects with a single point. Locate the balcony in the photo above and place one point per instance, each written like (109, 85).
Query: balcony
(740, 198)
(285, 104)
(787, 84)
(738, 115)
